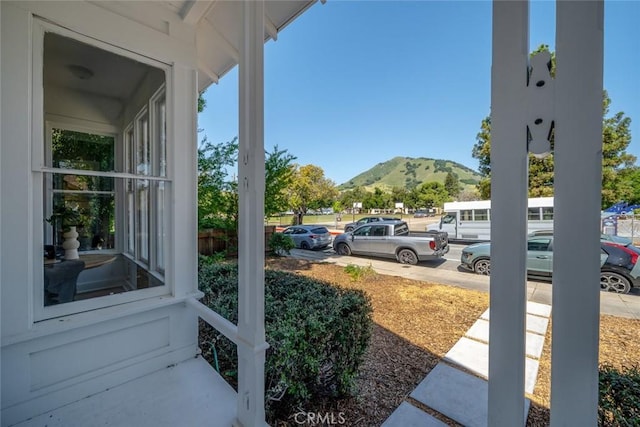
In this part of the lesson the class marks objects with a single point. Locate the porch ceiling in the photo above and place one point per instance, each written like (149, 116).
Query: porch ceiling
(218, 30)
(78, 66)
(215, 24)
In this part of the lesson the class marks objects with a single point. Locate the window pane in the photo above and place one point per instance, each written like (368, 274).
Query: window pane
(78, 150)
(129, 150)
(363, 231)
(465, 215)
(142, 219)
(91, 212)
(481, 215)
(534, 214)
(160, 226)
(71, 183)
(538, 245)
(449, 218)
(143, 152)
(401, 230)
(119, 221)
(547, 213)
(131, 218)
(161, 136)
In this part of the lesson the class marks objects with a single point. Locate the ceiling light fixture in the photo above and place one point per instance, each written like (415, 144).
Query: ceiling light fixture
(83, 73)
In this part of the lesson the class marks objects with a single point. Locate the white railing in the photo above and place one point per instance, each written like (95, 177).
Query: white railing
(224, 326)
(251, 359)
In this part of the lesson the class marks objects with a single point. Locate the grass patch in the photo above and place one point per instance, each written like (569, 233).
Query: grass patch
(358, 272)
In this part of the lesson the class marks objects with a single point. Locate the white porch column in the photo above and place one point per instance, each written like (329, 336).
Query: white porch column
(509, 193)
(252, 346)
(578, 171)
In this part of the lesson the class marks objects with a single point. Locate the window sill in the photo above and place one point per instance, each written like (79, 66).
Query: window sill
(77, 320)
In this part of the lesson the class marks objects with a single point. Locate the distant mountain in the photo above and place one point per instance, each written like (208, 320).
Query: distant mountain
(409, 172)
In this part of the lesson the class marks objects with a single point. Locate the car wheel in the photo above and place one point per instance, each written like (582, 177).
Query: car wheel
(482, 266)
(614, 282)
(304, 245)
(343, 249)
(407, 256)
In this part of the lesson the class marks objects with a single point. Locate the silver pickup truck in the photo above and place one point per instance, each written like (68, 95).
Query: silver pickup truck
(391, 239)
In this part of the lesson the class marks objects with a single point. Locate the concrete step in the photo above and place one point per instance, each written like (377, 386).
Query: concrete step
(458, 395)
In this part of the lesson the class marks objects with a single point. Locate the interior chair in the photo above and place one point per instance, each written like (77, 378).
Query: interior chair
(60, 281)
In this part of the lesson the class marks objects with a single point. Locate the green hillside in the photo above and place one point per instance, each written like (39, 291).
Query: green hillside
(409, 172)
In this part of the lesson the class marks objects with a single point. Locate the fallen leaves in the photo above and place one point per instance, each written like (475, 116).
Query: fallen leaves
(416, 324)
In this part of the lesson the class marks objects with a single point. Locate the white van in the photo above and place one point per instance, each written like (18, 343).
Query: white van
(472, 220)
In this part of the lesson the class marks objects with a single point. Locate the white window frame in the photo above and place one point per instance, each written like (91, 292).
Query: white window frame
(41, 312)
(156, 176)
(159, 158)
(64, 123)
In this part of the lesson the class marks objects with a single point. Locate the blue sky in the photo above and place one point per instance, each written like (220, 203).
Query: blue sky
(350, 84)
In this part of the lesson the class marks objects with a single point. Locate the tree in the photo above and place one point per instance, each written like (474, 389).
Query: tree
(400, 195)
(279, 175)
(349, 197)
(452, 184)
(482, 151)
(310, 190)
(431, 194)
(218, 195)
(468, 195)
(412, 200)
(202, 103)
(377, 200)
(79, 150)
(630, 185)
(616, 137)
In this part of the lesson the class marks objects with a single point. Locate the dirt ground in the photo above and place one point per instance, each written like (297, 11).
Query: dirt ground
(416, 323)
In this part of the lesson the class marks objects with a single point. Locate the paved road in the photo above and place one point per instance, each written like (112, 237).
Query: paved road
(447, 271)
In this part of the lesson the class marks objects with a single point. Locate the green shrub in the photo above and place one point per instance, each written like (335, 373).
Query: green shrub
(216, 258)
(281, 244)
(317, 334)
(619, 399)
(358, 272)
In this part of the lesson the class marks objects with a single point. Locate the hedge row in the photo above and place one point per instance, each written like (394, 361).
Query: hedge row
(619, 401)
(317, 333)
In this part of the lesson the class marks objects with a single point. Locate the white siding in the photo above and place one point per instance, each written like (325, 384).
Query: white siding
(54, 362)
(15, 172)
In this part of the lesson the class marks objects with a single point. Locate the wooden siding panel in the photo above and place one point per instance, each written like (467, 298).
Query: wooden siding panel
(61, 363)
(20, 398)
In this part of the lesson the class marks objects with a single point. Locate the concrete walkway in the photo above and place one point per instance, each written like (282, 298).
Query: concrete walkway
(457, 387)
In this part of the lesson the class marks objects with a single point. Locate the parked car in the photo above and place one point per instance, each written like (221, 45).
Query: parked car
(619, 267)
(366, 220)
(391, 239)
(605, 237)
(621, 240)
(424, 213)
(309, 236)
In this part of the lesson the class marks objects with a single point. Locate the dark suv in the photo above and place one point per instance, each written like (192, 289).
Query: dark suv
(367, 219)
(620, 271)
(619, 266)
